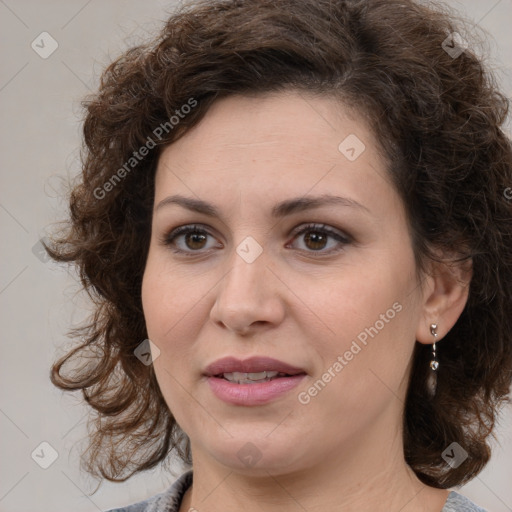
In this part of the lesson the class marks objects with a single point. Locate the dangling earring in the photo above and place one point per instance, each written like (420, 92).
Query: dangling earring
(434, 364)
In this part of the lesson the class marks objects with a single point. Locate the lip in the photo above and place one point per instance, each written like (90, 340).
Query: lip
(252, 365)
(252, 394)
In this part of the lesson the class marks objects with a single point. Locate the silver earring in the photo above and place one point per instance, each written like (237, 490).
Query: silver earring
(434, 364)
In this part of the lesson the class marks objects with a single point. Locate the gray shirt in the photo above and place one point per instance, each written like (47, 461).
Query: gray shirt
(170, 500)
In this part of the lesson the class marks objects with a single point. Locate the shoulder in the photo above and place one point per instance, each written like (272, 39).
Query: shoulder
(167, 501)
(458, 503)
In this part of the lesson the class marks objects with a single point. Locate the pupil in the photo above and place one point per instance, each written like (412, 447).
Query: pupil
(195, 238)
(317, 240)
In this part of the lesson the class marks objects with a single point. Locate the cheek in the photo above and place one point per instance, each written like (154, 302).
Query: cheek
(364, 364)
(368, 317)
(167, 296)
(356, 298)
(173, 302)
(153, 287)
(170, 306)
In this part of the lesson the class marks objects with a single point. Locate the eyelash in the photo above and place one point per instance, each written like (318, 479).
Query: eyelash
(169, 240)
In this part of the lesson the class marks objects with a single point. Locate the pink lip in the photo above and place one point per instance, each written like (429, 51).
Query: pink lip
(251, 394)
(252, 365)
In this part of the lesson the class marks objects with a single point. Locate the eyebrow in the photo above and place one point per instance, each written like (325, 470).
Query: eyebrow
(280, 210)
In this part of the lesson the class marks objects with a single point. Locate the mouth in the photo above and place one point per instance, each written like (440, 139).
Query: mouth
(251, 378)
(252, 382)
(252, 370)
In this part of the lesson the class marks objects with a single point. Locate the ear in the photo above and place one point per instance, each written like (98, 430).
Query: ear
(445, 293)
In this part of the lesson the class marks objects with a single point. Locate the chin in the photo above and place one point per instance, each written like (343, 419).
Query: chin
(255, 456)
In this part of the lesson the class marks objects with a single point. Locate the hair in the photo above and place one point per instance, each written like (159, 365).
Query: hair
(438, 120)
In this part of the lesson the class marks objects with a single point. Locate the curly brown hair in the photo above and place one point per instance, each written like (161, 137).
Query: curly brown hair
(438, 117)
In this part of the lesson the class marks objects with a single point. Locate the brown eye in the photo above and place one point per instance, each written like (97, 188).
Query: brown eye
(195, 240)
(320, 238)
(315, 240)
(190, 239)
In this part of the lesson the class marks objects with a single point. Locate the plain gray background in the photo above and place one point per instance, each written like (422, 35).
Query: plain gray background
(40, 139)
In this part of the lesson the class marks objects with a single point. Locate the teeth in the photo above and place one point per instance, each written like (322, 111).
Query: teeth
(249, 378)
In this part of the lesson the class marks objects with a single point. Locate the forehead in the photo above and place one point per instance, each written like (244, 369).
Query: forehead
(275, 144)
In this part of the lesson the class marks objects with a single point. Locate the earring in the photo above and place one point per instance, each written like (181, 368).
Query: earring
(434, 364)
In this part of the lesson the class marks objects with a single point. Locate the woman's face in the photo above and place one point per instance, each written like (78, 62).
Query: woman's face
(328, 287)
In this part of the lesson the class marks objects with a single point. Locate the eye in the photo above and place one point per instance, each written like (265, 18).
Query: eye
(189, 239)
(318, 237)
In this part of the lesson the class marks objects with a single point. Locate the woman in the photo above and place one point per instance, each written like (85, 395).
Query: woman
(303, 205)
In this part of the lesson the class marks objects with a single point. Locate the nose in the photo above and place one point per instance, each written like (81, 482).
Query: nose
(248, 297)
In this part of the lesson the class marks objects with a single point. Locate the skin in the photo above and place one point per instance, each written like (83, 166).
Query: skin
(298, 302)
